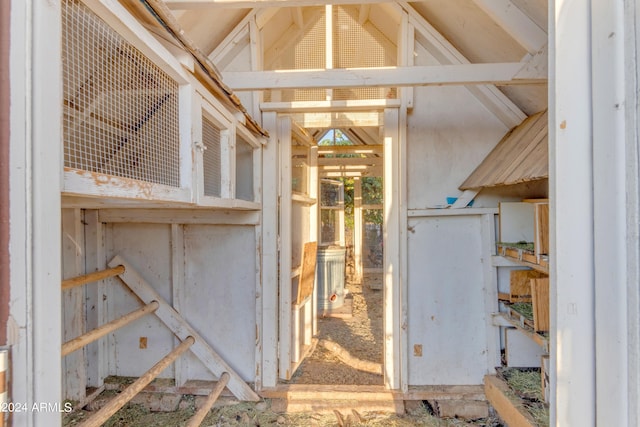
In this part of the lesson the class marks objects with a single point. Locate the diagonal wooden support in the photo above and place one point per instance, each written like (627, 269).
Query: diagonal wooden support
(179, 326)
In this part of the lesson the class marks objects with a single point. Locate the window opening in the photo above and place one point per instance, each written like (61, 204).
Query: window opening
(120, 109)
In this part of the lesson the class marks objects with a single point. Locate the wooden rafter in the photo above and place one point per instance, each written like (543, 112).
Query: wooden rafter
(515, 22)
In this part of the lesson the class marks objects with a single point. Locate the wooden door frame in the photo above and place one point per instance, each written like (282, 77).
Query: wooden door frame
(275, 338)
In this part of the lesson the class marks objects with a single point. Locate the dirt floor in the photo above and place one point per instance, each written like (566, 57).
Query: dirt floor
(359, 336)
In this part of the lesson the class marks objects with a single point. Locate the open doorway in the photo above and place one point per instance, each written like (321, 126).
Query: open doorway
(347, 348)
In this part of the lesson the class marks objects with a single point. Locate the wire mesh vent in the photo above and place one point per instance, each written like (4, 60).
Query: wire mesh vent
(307, 53)
(211, 158)
(300, 169)
(244, 169)
(120, 110)
(359, 46)
(355, 45)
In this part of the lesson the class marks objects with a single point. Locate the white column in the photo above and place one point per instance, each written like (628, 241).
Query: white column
(391, 286)
(609, 212)
(571, 220)
(34, 328)
(269, 339)
(632, 107)
(285, 342)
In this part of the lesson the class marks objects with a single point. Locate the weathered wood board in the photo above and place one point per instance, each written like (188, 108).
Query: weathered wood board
(542, 228)
(308, 273)
(540, 300)
(520, 284)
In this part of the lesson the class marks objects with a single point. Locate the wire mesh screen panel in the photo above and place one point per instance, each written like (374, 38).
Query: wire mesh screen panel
(330, 227)
(358, 45)
(305, 50)
(211, 158)
(120, 109)
(300, 169)
(372, 254)
(331, 212)
(244, 170)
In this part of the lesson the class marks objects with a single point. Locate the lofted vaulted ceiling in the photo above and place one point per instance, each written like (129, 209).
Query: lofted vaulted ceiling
(472, 31)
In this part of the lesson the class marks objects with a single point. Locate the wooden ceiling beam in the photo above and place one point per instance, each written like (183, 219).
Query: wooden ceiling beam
(251, 4)
(438, 75)
(350, 149)
(515, 22)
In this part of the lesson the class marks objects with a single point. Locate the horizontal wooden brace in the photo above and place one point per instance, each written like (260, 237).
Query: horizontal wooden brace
(350, 149)
(180, 216)
(456, 74)
(350, 161)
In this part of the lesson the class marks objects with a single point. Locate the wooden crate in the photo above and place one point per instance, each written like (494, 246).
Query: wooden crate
(520, 284)
(526, 221)
(540, 301)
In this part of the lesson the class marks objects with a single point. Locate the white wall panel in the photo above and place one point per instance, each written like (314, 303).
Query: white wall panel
(446, 301)
(147, 248)
(220, 294)
(449, 133)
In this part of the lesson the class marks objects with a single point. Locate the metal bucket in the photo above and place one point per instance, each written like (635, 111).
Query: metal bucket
(330, 277)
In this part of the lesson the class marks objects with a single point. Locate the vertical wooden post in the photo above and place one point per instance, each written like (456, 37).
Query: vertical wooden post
(357, 228)
(313, 226)
(391, 284)
(181, 366)
(269, 337)
(608, 40)
(285, 313)
(95, 306)
(74, 379)
(571, 217)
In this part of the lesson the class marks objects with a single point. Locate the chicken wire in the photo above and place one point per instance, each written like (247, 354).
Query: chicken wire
(120, 109)
(244, 169)
(359, 46)
(355, 45)
(212, 158)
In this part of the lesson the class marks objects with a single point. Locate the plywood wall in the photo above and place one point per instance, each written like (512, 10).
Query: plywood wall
(207, 272)
(447, 333)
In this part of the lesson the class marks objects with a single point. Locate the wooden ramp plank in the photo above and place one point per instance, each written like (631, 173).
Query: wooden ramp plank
(510, 409)
(179, 326)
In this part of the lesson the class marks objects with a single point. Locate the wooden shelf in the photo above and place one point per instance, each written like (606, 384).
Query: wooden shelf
(524, 258)
(516, 320)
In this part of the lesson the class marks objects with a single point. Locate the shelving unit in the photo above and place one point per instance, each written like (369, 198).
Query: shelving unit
(524, 240)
